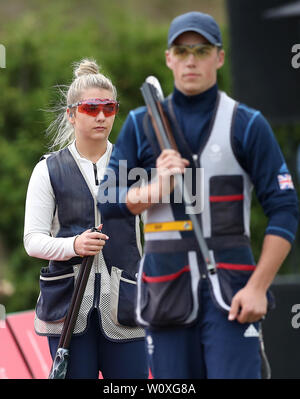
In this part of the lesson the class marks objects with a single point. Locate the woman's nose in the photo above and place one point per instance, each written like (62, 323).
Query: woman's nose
(100, 116)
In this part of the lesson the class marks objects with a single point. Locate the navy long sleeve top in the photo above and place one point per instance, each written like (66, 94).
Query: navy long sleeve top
(254, 145)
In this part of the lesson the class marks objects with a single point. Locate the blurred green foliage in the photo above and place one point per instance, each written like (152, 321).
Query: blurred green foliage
(41, 48)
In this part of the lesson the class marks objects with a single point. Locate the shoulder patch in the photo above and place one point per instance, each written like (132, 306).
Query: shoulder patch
(285, 181)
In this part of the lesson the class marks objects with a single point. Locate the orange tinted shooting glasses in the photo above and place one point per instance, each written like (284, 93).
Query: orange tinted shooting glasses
(92, 107)
(201, 51)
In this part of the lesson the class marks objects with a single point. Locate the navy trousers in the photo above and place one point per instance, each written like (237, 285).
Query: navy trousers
(91, 352)
(212, 348)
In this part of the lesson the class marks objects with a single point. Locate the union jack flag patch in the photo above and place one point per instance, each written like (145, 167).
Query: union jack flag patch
(285, 181)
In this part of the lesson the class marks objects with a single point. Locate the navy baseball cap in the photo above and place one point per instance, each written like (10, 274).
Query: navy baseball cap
(198, 22)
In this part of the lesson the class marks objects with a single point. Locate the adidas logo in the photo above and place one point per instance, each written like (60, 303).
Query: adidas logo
(251, 332)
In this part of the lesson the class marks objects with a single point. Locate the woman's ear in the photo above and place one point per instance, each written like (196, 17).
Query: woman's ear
(70, 114)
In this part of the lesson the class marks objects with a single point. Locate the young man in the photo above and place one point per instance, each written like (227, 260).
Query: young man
(201, 324)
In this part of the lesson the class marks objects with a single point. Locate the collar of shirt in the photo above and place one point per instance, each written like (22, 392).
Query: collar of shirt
(88, 167)
(203, 101)
(194, 114)
(102, 161)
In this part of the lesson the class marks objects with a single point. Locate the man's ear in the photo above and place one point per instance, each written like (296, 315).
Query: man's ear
(168, 59)
(221, 58)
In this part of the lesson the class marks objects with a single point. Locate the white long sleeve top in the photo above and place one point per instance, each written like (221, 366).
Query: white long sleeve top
(40, 222)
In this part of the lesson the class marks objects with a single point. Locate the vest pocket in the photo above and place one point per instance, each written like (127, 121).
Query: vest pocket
(56, 289)
(166, 299)
(226, 205)
(123, 289)
(235, 266)
(232, 280)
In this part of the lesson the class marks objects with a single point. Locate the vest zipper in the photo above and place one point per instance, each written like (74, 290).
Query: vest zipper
(97, 283)
(96, 174)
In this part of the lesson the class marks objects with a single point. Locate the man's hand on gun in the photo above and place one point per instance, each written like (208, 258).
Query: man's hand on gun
(168, 164)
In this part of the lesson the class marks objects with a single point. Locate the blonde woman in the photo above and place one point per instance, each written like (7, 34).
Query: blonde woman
(61, 208)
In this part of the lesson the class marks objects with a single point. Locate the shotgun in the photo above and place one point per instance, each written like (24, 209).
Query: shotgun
(60, 362)
(153, 97)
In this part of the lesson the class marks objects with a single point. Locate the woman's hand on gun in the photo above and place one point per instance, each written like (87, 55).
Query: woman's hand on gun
(90, 243)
